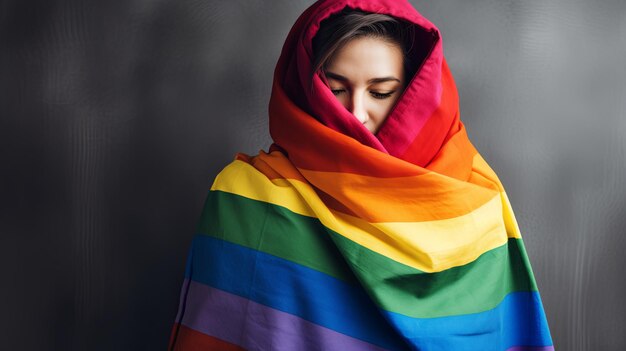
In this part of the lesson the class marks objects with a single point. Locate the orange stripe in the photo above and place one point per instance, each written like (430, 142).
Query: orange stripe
(426, 197)
(480, 168)
(455, 157)
(410, 199)
(193, 340)
(274, 165)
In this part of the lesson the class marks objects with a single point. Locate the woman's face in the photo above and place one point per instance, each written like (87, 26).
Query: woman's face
(367, 76)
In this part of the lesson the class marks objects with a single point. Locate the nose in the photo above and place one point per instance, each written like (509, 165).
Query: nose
(357, 107)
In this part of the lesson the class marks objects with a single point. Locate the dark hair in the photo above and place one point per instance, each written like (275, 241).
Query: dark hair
(338, 29)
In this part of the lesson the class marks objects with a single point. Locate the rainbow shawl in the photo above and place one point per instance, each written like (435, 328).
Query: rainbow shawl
(338, 239)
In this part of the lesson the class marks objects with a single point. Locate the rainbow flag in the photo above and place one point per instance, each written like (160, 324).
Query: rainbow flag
(274, 268)
(338, 239)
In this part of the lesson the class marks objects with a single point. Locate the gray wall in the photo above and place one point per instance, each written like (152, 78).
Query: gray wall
(115, 116)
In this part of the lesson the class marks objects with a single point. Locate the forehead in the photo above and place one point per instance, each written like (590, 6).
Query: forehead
(366, 58)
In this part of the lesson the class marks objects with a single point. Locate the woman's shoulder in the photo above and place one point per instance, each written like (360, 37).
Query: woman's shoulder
(263, 170)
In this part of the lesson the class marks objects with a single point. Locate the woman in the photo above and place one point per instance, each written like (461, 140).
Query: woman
(372, 223)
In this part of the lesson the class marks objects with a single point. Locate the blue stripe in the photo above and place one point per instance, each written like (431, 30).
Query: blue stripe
(331, 303)
(519, 320)
(291, 288)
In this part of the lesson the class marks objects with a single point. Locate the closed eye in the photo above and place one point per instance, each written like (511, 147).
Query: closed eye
(374, 94)
(377, 95)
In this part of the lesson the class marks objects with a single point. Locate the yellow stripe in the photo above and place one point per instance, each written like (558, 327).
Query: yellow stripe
(429, 246)
(481, 166)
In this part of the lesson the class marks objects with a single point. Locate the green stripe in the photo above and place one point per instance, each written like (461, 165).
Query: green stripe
(274, 230)
(474, 287)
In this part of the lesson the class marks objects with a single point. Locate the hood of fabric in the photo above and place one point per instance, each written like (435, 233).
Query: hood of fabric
(423, 119)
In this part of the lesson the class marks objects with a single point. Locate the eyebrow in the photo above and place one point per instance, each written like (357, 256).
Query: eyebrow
(373, 80)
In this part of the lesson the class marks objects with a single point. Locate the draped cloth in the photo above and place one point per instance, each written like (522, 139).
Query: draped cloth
(340, 239)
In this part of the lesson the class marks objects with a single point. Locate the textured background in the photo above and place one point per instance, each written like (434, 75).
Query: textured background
(115, 116)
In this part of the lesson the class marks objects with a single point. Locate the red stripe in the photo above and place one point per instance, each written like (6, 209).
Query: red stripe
(442, 123)
(187, 339)
(309, 144)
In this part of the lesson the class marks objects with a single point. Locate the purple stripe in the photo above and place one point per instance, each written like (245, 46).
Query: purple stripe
(181, 305)
(531, 348)
(254, 326)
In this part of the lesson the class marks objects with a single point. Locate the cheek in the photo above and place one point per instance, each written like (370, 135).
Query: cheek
(381, 108)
